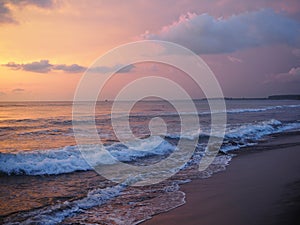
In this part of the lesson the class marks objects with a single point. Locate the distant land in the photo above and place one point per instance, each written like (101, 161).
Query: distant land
(283, 97)
(271, 97)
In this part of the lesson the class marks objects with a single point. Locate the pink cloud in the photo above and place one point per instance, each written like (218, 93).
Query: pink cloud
(293, 75)
(234, 59)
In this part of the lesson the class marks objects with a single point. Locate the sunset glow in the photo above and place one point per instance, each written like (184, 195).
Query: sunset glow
(47, 45)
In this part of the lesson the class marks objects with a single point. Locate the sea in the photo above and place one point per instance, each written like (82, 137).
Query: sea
(45, 179)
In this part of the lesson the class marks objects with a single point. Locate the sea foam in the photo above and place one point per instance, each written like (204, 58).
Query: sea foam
(70, 159)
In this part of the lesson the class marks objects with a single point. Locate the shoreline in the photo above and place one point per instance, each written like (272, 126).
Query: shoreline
(220, 193)
(260, 186)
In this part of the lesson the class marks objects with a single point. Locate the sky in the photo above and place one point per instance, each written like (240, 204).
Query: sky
(253, 47)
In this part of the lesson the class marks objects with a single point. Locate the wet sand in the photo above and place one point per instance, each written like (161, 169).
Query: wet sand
(260, 186)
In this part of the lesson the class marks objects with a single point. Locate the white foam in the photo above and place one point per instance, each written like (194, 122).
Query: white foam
(69, 159)
(245, 110)
(53, 161)
(57, 213)
(247, 134)
(255, 130)
(190, 135)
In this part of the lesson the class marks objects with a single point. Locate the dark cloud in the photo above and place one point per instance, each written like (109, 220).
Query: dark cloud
(2, 93)
(126, 69)
(207, 35)
(38, 3)
(5, 12)
(74, 68)
(106, 69)
(44, 66)
(18, 90)
(13, 66)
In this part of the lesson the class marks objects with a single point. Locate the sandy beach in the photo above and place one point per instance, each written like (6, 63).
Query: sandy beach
(260, 186)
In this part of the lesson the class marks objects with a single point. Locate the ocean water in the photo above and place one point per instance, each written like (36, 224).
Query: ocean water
(45, 179)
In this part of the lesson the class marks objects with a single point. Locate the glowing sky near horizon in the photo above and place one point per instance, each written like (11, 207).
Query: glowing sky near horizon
(253, 47)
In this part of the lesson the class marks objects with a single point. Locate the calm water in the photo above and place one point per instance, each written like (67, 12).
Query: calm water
(46, 180)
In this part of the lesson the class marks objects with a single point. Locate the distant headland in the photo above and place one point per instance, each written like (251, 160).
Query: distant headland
(271, 97)
(284, 97)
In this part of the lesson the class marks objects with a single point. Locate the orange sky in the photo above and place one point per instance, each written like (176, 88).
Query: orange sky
(78, 32)
(65, 34)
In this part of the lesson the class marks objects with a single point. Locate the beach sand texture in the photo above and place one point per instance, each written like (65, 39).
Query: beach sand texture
(261, 186)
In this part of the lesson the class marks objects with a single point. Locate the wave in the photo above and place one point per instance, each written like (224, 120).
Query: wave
(52, 161)
(246, 110)
(262, 109)
(249, 134)
(163, 198)
(55, 214)
(70, 159)
(241, 135)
